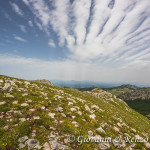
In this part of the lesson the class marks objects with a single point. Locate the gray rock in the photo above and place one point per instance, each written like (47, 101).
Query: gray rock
(36, 117)
(73, 109)
(132, 145)
(1, 81)
(59, 109)
(92, 116)
(22, 119)
(90, 133)
(8, 95)
(79, 112)
(51, 115)
(100, 130)
(46, 146)
(104, 145)
(70, 103)
(23, 139)
(63, 115)
(24, 104)
(56, 146)
(117, 144)
(15, 102)
(2, 103)
(6, 127)
(7, 87)
(21, 145)
(32, 143)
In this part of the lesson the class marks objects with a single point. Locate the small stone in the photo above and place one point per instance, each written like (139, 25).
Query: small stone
(55, 145)
(75, 123)
(147, 144)
(116, 129)
(43, 107)
(117, 144)
(132, 145)
(51, 115)
(66, 141)
(52, 128)
(21, 145)
(24, 94)
(2, 103)
(87, 108)
(32, 143)
(90, 133)
(8, 95)
(70, 104)
(24, 104)
(92, 116)
(1, 81)
(22, 139)
(30, 101)
(15, 102)
(73, 109)
(33, 134)
(104, 145)
(100, 130)
(59, 109)
(6, 127)
(46, 146)
(63, 115)
(26, 82)
(34, 131)
(36, 117)
(79, 112)
(22, 119)
(32, 109)
(94, 106)
(7, 86)
(1, 117)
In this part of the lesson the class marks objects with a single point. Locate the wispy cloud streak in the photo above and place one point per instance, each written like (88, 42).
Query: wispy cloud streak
(94, 29)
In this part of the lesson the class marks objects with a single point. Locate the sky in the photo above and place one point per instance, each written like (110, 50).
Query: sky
(95, 40)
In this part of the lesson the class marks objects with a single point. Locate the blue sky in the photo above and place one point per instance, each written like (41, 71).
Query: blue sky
(100, 40)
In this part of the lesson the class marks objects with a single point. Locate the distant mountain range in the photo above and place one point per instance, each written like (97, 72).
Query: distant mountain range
(89, 84)
(130, 92)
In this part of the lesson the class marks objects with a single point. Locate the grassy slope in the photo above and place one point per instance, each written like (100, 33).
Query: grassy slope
(113, 112)
(119, 91)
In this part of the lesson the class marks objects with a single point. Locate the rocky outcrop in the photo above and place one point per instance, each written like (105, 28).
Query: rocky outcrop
(141, 93)
(44, 81)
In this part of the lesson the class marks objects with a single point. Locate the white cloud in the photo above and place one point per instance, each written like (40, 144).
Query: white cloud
(22, 28)
(51, 43)
(30, 68)
(20, 39)
(30, 23)
(16, 8)
(93, 30)
(81, 12)
(41, 11)
(26, 2)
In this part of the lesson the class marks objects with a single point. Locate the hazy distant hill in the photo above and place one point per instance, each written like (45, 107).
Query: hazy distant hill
(34, 115)
(130, 92)
(136, 98)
